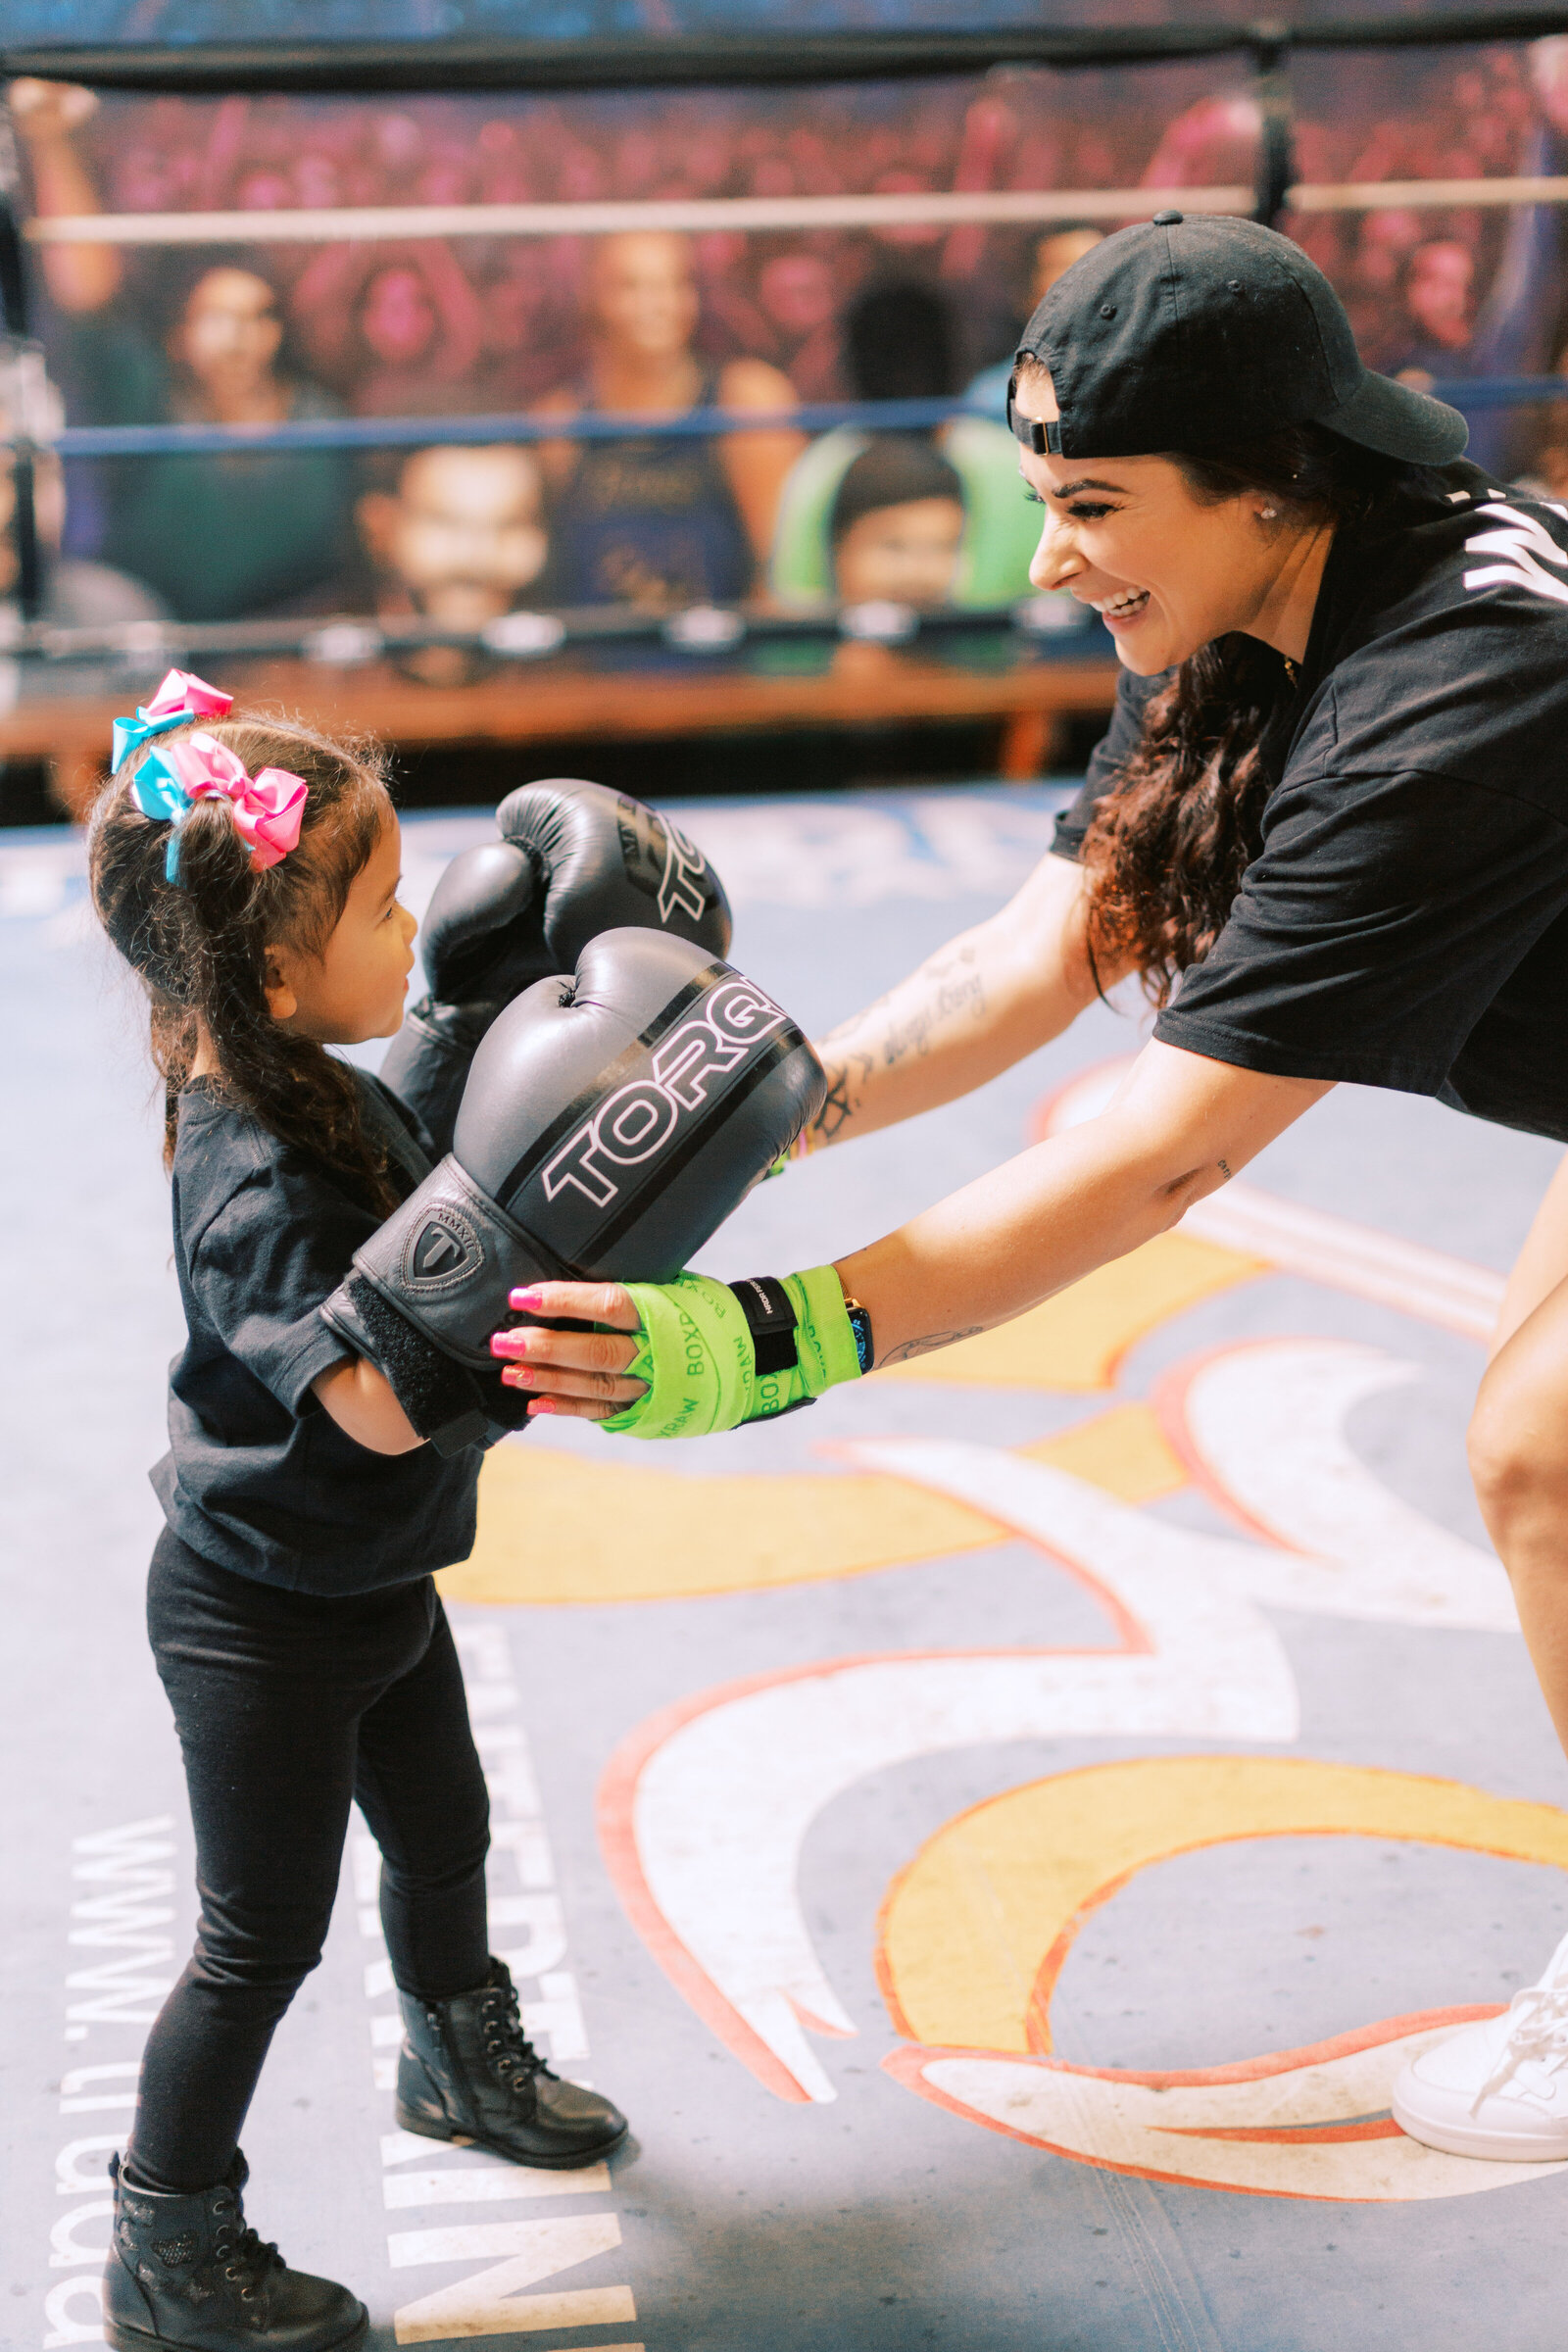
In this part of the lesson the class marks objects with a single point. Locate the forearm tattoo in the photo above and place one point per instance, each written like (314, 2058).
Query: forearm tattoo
(928, 1344)
(946, 989)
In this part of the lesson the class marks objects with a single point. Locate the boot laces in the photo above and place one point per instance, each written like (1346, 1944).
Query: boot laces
(1538, 2032)
(510, 2055)
(246, 2256)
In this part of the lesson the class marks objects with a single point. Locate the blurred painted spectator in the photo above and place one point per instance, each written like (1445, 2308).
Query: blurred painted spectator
(1210, 144)
(1437, 292)
(216, 537)
(664, 522)
(896, 526)
(1521, 323)
(900, 346)
(76, 594)
(458, 536)
(1379, 259)
(1053, 256)
(397, 329)
(456, 539)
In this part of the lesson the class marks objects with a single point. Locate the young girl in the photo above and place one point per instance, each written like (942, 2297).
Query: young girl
(248, 872)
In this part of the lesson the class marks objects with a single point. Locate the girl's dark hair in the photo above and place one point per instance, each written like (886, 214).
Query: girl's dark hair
(198, 945)
(1179, 826)
(896, 468)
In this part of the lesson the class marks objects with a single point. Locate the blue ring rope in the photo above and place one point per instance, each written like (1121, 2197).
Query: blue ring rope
(418, 432)
(405, 432)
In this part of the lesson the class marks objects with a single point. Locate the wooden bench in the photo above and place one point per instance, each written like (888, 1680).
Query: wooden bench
(577, 696)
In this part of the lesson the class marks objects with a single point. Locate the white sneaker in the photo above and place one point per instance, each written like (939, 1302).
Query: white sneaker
(1498, 2088)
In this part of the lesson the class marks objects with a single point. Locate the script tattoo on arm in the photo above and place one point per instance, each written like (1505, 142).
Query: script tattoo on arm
(946, 988)
(908, 1349)
(943, 995)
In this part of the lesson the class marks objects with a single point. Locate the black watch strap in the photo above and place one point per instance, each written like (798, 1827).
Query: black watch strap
(770, 1319)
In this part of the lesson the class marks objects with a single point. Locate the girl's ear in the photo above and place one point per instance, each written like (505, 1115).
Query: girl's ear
(282, 1002)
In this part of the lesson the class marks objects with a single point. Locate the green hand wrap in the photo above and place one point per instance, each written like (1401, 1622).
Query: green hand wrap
(694, 1350)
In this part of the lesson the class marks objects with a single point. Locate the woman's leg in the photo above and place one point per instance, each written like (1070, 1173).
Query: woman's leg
(1499, 2089)
(422, 1789)
(266, 1688)
(1519, 1444)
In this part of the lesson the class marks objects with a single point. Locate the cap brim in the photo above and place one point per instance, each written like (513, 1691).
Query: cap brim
(1400, 421)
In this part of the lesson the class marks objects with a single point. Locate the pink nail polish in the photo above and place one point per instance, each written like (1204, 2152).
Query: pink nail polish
(541, 1405)
(529, 1296)
(506, 1343)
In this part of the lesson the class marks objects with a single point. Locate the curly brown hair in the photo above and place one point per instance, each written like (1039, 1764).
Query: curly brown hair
(198, 945)
(1179, 826)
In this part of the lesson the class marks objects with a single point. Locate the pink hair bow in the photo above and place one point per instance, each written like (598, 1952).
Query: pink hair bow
(268, 808)
(181, 695)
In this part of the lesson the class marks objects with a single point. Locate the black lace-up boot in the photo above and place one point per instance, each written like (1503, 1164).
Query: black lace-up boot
(468, 2074)
(185, 2275)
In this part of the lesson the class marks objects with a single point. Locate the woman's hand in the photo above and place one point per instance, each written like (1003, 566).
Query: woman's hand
(707, 1356)
(577, 1373)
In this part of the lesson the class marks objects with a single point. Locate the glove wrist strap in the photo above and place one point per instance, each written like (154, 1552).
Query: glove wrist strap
(771, 1320)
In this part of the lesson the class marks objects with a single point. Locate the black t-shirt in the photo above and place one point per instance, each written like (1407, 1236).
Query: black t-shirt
(258, 1477)
(1406, 923)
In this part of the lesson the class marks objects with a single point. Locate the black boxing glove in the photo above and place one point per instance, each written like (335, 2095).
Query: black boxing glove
(610, 1125)
(573, 859)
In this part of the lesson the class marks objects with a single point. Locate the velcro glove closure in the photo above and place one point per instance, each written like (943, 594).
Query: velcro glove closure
(448, 1404)
(446, 1260)
(715, 1355)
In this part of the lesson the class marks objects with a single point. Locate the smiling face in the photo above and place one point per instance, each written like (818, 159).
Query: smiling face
(908, 553)
(643, 296)
(354, 988)
(462, 534)
(1167, 570)
(230, 333)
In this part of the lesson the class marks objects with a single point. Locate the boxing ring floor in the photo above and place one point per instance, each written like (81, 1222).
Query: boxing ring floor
(996, 1834)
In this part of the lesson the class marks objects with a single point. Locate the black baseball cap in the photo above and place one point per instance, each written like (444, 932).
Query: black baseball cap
(1195, 332)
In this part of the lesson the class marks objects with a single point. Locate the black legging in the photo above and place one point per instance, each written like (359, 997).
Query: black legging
(287, 1707)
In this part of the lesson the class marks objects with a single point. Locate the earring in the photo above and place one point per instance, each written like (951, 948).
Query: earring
(1268, 513)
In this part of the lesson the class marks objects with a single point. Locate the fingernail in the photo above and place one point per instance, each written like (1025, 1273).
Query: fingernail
(530, 1295)
(541, 1405)
(506, 1343)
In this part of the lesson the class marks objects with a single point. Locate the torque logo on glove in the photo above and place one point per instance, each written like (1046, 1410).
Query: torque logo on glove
(636, 1122)
(661, 860)
(444, 1252)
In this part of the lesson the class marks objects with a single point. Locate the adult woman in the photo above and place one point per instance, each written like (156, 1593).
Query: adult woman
(660, 523)
(217, 537)
(1342, 820)
(223, 536)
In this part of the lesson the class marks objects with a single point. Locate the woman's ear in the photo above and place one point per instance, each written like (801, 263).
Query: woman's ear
(282, 1001)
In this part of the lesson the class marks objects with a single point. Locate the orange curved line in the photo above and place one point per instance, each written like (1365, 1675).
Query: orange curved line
(615, 1812)
(907, 2065)
(1167, 1399)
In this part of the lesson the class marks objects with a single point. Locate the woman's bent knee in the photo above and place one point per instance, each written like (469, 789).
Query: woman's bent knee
(1519, 1462)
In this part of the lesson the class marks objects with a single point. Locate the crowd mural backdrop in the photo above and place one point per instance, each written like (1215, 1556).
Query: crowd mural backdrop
(437, 326)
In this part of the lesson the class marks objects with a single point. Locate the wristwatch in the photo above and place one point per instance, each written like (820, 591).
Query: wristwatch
(860, 1325)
